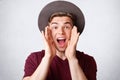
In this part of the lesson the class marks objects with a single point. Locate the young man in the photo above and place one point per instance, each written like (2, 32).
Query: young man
(60, 60)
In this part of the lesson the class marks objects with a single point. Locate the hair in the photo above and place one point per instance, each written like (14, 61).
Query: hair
(61, 14)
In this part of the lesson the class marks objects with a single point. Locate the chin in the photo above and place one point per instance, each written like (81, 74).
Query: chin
(61, 49)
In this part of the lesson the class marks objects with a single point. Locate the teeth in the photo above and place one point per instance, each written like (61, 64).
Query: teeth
(61, 38)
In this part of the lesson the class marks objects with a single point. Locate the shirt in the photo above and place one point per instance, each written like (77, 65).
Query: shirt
(59, 69)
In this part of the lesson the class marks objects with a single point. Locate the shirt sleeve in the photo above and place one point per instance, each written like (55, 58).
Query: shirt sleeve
(88, 64)
(91, 69)
(32, 63)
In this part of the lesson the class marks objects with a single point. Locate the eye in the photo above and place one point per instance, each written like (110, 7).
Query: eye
(55, 27)
(67, 27)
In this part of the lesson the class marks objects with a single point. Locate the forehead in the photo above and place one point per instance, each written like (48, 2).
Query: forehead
(61, 22)
(64, 20)
(61, 18)
(61, 14)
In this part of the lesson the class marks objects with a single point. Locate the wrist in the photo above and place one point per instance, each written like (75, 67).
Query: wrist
(48, 56)
(72, 59)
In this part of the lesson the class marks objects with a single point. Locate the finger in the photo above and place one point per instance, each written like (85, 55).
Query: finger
(43, 36)
(78, 35)
(74, 36)
(75, 29)
(68, 42)
(74, 32)
(46, 32)
(49, 35)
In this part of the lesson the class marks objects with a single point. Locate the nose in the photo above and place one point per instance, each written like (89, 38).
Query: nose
(61, 30)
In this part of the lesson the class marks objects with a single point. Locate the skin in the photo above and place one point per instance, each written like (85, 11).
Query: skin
(59, 28)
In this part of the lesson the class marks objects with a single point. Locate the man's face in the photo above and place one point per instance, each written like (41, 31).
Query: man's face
(61, 31)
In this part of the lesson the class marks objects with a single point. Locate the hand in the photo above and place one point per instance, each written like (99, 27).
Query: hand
(72, 43)
(50, 49)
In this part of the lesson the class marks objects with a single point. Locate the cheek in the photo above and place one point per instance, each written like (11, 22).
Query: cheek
(53, 34)
(68, 34)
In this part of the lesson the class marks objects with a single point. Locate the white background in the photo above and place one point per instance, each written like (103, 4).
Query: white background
(19, 35)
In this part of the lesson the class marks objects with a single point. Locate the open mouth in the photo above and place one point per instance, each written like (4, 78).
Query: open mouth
(61, 41)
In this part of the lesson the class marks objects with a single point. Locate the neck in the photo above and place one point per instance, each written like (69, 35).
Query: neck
(61, 55)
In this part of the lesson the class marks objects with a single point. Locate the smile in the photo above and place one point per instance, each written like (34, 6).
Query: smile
(61, 41)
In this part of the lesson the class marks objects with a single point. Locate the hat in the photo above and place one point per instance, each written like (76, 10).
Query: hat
(61, 6)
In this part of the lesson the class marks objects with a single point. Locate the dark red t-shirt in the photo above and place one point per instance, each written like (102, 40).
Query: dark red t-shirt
(59, 69)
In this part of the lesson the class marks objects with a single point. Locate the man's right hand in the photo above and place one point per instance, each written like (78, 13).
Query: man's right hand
(50, 50)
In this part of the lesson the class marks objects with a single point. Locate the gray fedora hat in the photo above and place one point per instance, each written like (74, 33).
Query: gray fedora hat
(61, 6)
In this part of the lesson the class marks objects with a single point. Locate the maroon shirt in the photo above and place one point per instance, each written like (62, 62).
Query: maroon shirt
(59, 69)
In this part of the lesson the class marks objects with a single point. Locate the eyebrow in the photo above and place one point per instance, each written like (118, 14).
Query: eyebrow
(68, 23)
(54, 23)
(64, 23)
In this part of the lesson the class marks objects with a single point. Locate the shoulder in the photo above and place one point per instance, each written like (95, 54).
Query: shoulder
(84, 56)
(88, 65)
(86, 59)
(35, 56)
(32, 62)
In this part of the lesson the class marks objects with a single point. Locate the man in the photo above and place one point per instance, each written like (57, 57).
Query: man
(60, 60)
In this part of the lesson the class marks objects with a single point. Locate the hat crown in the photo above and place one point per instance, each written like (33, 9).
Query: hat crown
(61, 6)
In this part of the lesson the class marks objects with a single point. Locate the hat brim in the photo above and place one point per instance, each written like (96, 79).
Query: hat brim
(61, 6)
